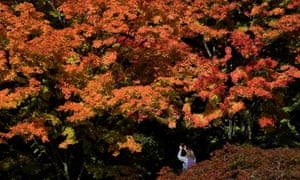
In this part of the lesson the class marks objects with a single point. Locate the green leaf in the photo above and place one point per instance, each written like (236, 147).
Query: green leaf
(35, 151)
(116, 45)
(73, 60)
(294, 106)
(243, 28)
(291, 127)
(53, 14)
(214, 140)
(52, 118)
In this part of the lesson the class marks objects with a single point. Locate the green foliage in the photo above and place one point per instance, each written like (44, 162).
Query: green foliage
(294, 106)
(291, 128)
(38, 149)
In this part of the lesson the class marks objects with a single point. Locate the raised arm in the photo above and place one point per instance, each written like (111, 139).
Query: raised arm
(180, 157)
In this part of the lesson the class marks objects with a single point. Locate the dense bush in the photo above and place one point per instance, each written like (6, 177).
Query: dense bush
(243, 162)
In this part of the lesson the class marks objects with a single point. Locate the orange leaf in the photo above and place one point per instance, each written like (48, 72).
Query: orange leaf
(266, 121)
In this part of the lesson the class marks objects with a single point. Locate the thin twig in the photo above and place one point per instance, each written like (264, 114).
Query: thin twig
(207, 49)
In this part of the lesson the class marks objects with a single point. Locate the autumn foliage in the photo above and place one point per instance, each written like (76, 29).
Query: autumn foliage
(72, 71)
(243, 162)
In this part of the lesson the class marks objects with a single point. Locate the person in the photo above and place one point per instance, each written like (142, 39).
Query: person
(188, 159)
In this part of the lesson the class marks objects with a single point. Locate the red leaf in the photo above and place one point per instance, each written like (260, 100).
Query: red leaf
(266, 121)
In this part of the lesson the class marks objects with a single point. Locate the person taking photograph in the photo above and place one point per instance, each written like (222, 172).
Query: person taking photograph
(188, 159)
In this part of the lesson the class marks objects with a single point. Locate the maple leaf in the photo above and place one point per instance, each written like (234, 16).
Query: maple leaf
(70, 138)
(244, 44)
(277, 11)
(109, 58)
(80, 111)
(186, 108)
(238, 74)
(203, 119)
(266, 121)
(130, 143)
(235, 107)
(257, 82)
(291, 71)
(172, 124)
(2, 61)
(97, 43)
(198, 120)
(29, 129)
(264, 63)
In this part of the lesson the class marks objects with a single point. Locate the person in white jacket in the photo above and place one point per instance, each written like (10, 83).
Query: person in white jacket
(189, 158)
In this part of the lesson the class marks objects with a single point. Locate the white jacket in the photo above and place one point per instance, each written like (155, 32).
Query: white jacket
(186, 161)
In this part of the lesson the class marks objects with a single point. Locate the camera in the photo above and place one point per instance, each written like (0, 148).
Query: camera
(183, 146)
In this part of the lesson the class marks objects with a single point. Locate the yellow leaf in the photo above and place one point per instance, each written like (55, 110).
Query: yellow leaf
(52, 118)
(130, 144)
(70, 139)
